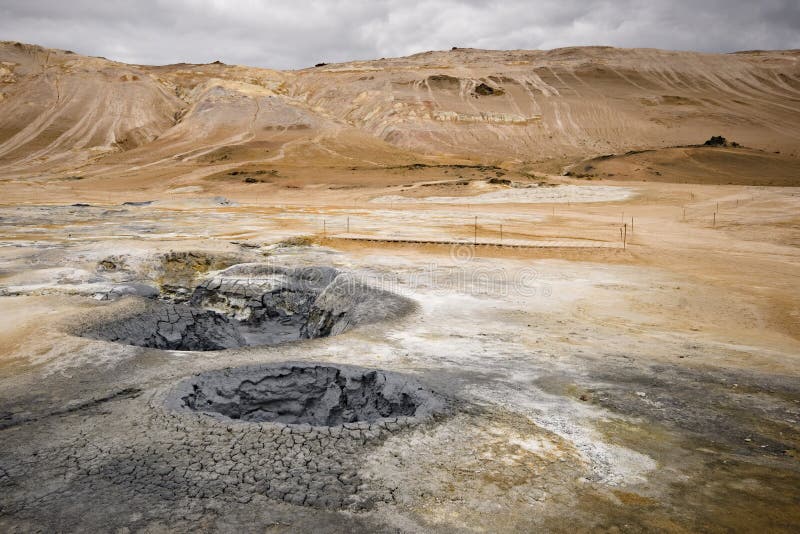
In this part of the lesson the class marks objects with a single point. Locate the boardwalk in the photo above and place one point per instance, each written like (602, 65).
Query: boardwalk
(511, 243)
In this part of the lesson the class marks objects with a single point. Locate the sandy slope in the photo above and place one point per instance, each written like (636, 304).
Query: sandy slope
(696, 165)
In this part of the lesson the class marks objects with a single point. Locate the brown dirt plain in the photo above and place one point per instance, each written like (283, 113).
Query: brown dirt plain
(594, 388)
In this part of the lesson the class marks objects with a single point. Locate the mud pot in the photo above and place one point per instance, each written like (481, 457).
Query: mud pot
(317, 395)
(248, 304)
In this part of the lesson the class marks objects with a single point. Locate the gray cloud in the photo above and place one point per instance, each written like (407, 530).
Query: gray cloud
(300, 33)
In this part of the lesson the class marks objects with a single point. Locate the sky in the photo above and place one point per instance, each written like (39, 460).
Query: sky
(292, 34)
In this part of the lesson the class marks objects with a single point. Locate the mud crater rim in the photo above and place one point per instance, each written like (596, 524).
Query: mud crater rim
(249, 304)
(307, 394)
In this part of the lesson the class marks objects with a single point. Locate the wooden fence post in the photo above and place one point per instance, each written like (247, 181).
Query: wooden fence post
(625, 237)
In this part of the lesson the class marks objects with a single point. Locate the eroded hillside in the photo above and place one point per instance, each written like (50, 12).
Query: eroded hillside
(60, 111)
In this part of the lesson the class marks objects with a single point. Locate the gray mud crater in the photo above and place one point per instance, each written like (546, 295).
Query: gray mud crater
(310, 394)
(251, 304)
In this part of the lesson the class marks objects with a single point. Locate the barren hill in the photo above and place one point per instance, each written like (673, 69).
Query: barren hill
(60, 111)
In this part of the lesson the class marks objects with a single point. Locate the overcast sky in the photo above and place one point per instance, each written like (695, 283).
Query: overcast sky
(298, 33)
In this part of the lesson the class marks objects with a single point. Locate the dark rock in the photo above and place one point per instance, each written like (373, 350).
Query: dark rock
(716, 140)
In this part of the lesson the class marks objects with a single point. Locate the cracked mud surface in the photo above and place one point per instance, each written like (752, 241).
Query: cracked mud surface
(171, 326)
(174, 457)
(174, 453)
